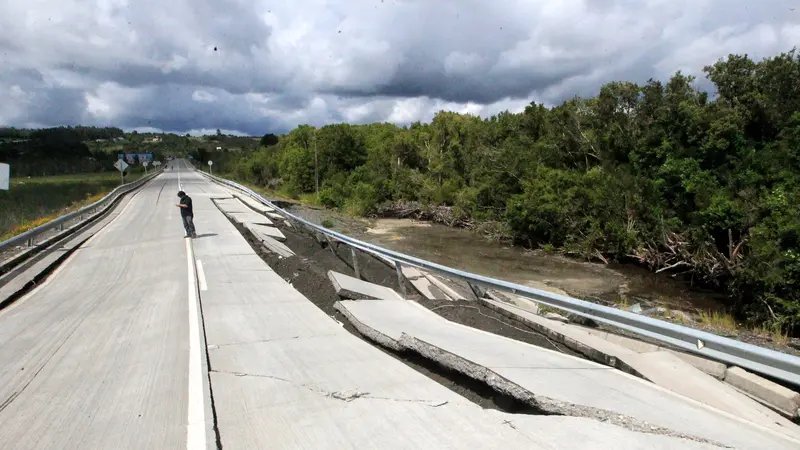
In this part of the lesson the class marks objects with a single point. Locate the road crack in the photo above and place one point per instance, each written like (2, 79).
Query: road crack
(345, 396)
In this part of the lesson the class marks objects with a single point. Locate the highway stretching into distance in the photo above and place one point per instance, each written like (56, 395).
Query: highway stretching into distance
(142, 339)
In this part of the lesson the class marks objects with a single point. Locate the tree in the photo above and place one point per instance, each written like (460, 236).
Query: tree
(269, 140)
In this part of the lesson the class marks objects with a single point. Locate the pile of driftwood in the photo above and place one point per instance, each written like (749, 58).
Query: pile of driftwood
(418, 211)
(678, 255)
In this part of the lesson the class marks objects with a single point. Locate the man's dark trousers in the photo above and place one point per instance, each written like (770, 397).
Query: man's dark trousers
(188, 225)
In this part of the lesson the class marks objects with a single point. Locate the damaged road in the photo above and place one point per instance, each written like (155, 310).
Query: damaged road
(550, 381)
(345, 396)
(286, 374)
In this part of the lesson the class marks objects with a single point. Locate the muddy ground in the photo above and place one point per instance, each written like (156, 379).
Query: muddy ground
(307, 272)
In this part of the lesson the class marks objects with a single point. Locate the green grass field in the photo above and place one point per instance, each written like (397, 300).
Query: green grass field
(33, 201)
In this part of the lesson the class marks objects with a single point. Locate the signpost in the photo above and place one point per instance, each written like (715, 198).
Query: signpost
(5, 177)
(210, 170)
(121, 166)
(145, 163)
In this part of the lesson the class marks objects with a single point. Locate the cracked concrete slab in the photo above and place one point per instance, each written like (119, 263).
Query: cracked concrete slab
(264, 412)
(444, 287)
(249, 217)
(254, 204)
(232, 205)
(286, 375)
(422, 284)
(276, 247)
(351, 287)
(551, 380)
(264, 231)
(663, 368)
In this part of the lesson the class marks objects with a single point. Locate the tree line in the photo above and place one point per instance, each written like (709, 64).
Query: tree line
(83, 133)
(53, 151)
(660, 173)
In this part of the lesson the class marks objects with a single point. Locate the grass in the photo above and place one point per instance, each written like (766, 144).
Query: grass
(37, 200)
(718, 320)
(309, 199)
(725, 322)
(775, 334)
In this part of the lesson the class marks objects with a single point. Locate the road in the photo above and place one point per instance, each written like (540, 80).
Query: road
(145, 340)
(98, 356)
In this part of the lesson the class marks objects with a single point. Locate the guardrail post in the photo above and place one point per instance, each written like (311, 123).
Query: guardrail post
(330, 245)
(399, 269)
(29, 242)
(61, 226)
(355, 262)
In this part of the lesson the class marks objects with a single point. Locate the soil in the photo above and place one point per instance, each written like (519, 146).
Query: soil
(307, 272)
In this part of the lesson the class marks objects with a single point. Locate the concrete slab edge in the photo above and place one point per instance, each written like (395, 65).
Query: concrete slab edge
(547, 405)
(340, 291)
(277, 247)
(781, 399)
(590, 352)
(447, 290)
(368, 332)
(36, 278)
(499, 383)
(767, 393)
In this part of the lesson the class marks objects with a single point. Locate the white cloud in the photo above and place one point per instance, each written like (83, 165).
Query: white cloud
(203, 96)
(258, 66)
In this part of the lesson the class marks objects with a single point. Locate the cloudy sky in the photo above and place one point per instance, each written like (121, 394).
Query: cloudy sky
(257, 66)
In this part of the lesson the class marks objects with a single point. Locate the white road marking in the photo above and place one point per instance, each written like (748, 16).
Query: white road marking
(201, 276)
(196, 426)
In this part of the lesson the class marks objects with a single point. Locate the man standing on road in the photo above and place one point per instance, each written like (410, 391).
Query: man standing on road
(187, 214)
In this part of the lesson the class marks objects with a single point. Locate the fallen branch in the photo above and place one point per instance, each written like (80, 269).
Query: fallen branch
(677, 264)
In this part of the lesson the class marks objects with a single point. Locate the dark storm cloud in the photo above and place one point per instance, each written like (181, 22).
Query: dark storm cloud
(153, 64)
(418, 78)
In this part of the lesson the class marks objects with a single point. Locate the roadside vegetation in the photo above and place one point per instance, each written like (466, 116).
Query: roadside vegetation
(37, 200)
(662, 174)
(57, 170)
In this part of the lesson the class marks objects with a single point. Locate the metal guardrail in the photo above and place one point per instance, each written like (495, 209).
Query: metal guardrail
(758, 359)
(28, 238)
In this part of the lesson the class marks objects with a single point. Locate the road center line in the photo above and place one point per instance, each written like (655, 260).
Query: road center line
(201, 276)
(196, 426)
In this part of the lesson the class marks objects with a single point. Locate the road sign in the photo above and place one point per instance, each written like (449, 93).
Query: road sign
(5, 176)
(156, 163)
(211, 163)
(121, 165)
(145, 163)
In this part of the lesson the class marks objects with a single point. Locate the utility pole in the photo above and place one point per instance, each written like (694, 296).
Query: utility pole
(316, 163)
